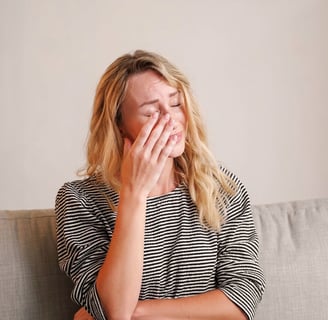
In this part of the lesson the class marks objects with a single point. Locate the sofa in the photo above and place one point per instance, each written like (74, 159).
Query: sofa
(293, 253)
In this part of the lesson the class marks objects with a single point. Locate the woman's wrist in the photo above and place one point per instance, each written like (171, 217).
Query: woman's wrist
(129, 193)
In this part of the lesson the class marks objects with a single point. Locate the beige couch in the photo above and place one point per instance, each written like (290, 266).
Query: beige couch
(294, 254)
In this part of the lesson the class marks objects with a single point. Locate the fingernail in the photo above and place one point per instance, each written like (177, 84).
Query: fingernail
(167, 116)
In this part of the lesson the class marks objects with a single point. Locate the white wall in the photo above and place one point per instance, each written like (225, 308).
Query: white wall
(259, 69)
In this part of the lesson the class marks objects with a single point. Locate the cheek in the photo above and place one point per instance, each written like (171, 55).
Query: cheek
(131, 129)
(181, 118)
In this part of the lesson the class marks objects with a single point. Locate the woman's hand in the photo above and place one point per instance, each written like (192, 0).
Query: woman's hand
(144, 160)
(82, 314)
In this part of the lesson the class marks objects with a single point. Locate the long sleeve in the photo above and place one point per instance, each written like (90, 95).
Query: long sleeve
(82, 242)
(239, 275)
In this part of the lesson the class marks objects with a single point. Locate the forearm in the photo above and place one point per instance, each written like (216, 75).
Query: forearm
(210, 305)
(119, 279)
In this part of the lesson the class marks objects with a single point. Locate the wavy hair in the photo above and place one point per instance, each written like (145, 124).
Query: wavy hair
(196, 168)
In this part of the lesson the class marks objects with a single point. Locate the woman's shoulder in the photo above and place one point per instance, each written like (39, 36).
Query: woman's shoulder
(79, 186)
(231, 175)
(85, 190)
(239, 201)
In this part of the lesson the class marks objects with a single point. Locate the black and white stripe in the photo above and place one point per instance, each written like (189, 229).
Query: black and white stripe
(181, 257)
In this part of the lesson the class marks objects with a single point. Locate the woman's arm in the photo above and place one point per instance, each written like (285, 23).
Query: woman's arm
(119, 279)
(210, 305)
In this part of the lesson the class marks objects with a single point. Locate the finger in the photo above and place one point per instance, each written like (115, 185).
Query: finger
(160, 133)
(163, 139)
(146, 130)
(167, 149)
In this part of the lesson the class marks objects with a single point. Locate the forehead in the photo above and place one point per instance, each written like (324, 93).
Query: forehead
(147, 85)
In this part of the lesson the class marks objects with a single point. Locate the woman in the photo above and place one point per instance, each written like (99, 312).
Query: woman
(157, 230)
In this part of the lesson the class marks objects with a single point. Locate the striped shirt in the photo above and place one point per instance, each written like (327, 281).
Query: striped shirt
(181, 257)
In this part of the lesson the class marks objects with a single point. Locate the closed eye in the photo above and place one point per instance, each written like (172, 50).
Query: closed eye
(149, 114)
(176, 105)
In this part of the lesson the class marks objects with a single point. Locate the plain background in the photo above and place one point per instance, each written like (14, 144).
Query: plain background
(259, 70)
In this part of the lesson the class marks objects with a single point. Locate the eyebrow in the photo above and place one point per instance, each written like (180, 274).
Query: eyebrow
(156, 100)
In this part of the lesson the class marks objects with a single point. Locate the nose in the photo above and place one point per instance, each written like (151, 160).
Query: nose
(169, 111)
(165, 108)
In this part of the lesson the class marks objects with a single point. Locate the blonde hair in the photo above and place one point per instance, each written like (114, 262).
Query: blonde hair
(209, 187)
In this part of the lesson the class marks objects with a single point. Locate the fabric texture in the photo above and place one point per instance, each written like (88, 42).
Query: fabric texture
(32, 285)
(181, 257)
(293, 251)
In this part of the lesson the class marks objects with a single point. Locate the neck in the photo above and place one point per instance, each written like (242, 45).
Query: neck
(166, 182)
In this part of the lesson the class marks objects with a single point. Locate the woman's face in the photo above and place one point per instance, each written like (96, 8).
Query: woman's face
(147, 93)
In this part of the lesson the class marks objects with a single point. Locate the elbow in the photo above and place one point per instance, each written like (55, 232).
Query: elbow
(113, 306)
(119, 316)
(116, 310)
(117, 313)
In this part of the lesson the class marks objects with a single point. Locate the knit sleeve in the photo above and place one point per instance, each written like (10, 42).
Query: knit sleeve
(239, 275)
(82, 244)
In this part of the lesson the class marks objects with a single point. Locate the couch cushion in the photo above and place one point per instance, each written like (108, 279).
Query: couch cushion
(32, 286)
(294, 247)
(293, 252)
